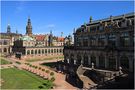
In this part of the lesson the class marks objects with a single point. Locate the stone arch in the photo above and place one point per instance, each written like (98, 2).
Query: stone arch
(78, 59)
(85, 60)
(39, 51)
(28, 52)
(48, 50)
(101, 61)
(35, 51)
(93, 59)
(42, 51)
(112, 62)
(32, 52)
(51, 50)
(71, 61)
(5, 50)
(124, 62)
(57, 51)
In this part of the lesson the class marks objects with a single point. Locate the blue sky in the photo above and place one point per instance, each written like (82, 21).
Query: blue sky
(58, 16)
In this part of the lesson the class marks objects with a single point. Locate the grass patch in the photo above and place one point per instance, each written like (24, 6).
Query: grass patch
(20, 79)
(3, 61)
(42, 59)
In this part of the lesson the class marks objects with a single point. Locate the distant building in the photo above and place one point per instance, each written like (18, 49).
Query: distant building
(108, 43)
(31, 44)
(7, 39)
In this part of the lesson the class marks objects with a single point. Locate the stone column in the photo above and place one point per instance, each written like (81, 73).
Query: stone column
(97, 61)
(89, 60)
(25, 52)
(106, 61)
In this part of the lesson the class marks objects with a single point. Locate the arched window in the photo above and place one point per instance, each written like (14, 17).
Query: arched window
(51, 50)
(124, 62)
(35, 51)
(54, 50)
(85, 62)
(28, 52)
(31, 51)
(101, 61)
(78, 59)
(48, 50)
(42, 51)
(39, 51)
(93, 59)
(57, 50)
(124, 39)
(45, 50)
(5, 49)
(60, 50)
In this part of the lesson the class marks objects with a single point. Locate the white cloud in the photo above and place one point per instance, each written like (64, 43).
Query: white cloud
(50, 26)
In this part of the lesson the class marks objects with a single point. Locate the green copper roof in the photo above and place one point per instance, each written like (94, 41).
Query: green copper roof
(26, 38)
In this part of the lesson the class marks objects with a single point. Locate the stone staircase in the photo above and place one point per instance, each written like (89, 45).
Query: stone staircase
(87, 82)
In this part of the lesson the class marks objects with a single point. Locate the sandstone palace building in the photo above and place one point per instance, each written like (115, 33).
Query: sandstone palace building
(108, 43)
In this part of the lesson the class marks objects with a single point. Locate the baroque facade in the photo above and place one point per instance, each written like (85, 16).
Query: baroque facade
(107, 43)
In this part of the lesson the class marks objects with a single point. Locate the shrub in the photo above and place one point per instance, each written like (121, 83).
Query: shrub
(39, 68)
(47, 71)
(52, 79)
(18, 62)
(43, 69)
(40, 87)
(52, 73)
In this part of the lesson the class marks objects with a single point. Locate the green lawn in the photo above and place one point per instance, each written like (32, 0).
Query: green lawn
(20, 79)
(3, 61)
(42, 59)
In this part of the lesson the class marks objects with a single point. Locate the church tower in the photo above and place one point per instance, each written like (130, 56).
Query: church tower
(8, 29)
(29, 28)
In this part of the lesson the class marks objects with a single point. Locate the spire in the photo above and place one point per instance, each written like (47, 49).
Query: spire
(16, 31)
(61, 34)
(50, 32)
(29, 27)
(8, 29)
(90, 19)
(74, 30)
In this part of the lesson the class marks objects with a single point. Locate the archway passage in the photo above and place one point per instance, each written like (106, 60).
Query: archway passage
(5, 50)
(124, 63)
(112, 63)
(78, 60)
(28, 52)
(93, 60)
(71, 59)
(32, 52)
(101, 61)
(85, 63)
